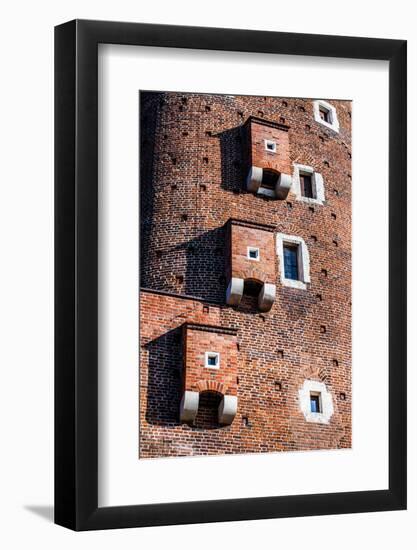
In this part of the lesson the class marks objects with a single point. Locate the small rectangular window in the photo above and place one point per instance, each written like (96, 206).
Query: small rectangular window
(291, 262)
(324, 114)
(306, 184)
(212, 359)
(253, 253)
(270, 146)
(315, 405)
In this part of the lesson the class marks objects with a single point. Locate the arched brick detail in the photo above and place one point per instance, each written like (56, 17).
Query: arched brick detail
(211, 385)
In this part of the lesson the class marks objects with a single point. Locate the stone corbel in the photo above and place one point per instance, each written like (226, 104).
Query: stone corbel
(254, 183)
(283, 186)
(266, 297)
(227, 409)
(189, 406)
(234, 291)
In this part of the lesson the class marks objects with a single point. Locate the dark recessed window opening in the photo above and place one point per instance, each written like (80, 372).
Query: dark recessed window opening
(269, 179)
(315, 405)
(251, 287)
(212, 360)
(291, 262)
(306, 184)
(325, 114)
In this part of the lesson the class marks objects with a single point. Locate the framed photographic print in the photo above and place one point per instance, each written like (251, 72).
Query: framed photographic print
(230, 275)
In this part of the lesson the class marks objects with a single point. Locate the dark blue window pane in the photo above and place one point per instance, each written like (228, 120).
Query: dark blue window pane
(314, 403)
(291, 262)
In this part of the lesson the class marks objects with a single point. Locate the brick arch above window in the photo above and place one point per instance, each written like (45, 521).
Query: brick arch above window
(211, 385)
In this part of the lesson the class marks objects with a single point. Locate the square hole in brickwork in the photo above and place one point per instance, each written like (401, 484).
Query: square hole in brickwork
(323, 329)
(159, 253)
(245, 422)
(336, 192)
(206, 309)
(308, 127)
(333, 215)
(185, 134)
(179, 279)
(184, 217)
(326, 163)
(205, 160)
(237, 380)
(311, 208)
(203, 187)
(313, 238)
(208, 133)
(319, 297)
(207, 108)
(335, 363)
(174, 186)
(342, 396)
(282, 120)
(335, 243)
(278, 385)
(284, 104)
(289, 205)
(261, 114)
(240, 114)
(280, 353)
(324, 272)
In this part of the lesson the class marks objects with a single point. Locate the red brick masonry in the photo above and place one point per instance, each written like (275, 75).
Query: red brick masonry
(194, 164)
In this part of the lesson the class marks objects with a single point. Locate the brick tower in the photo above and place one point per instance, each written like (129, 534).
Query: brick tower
(245, 300)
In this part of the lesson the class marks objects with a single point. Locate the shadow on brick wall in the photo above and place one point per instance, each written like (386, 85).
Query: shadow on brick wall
(233, 162)
(149, 116)
(164, 379)
(205, 266)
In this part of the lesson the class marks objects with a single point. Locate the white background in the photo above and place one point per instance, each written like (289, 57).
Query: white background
(122, 478)
(26, 402)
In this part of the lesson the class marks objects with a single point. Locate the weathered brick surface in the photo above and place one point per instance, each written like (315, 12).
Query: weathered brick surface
(193, 169)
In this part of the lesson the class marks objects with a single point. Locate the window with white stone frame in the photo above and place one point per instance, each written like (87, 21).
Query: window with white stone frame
(294, 261)
(270, 146)
(253, 253)
(212, 360)
(325, 114)
(308, 185)
(315, 402)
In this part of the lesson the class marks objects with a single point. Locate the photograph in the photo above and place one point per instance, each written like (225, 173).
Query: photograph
(245, 265)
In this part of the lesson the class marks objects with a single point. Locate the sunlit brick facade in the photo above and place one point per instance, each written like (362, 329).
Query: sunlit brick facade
(245, 300)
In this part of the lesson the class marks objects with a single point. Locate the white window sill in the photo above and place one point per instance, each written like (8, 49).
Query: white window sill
(301, 285)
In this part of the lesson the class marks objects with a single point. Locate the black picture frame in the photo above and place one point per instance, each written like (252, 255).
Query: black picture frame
(76, 271)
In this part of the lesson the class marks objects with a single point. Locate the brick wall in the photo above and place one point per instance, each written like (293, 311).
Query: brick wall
(193, 170)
